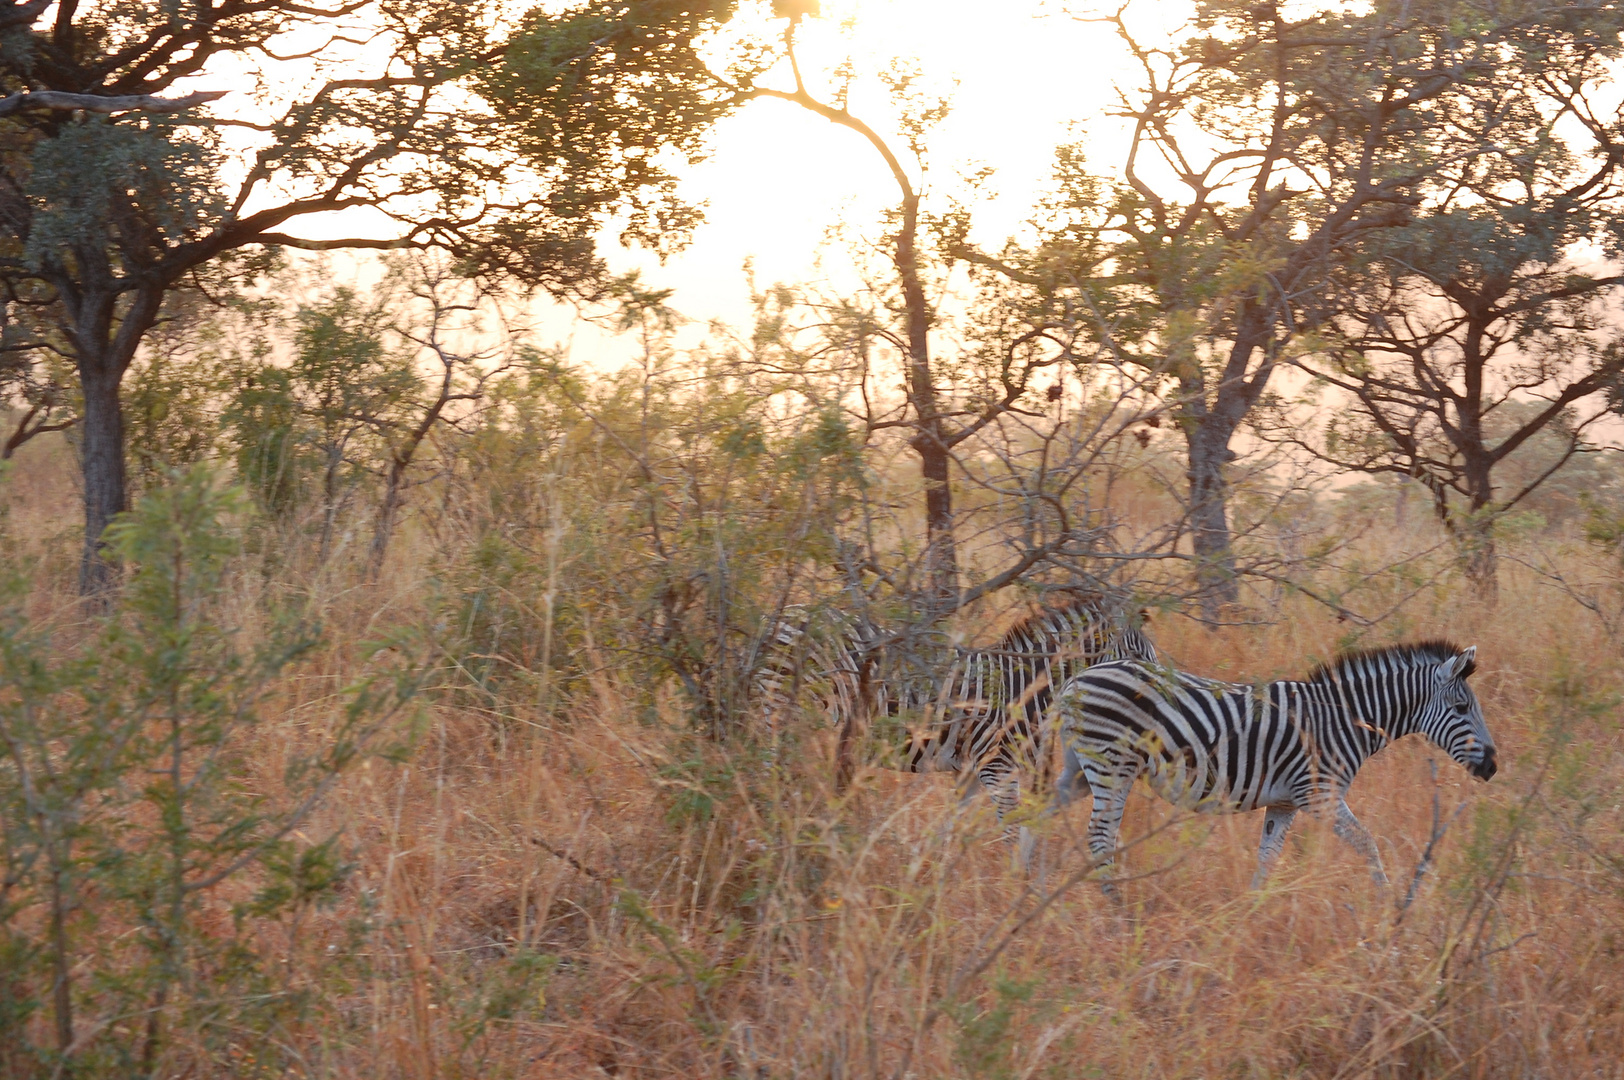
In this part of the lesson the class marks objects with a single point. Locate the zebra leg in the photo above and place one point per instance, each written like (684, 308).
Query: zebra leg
(1105, 823)
(1071, 785)
(1275, 823)
(1348, 828)
(1073, 782)
(1003, 786)
(1006, 797)
(1002, 783)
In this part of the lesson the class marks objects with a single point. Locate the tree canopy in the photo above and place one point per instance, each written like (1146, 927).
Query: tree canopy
(1267, 151)
(120, 186)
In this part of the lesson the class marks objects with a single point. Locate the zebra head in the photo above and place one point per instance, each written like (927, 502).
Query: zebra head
(1127, 642)
(1452, 718)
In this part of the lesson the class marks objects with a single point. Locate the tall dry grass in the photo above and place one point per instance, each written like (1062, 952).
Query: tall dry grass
(576, 884)
(710, 916)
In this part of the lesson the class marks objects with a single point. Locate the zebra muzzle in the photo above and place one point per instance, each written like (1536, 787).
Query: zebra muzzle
(1486, 768)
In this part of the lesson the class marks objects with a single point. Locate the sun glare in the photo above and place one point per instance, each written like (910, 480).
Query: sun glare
(1023, 77)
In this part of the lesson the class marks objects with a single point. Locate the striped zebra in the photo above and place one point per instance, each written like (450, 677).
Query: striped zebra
(984, 714)
(831, 655)
(1219, 747)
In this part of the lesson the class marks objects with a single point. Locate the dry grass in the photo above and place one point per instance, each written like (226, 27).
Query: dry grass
(707, 915)
(589, 890)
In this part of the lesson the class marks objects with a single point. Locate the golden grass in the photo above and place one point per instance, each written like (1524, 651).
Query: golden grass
(585, 891)
(706, 915)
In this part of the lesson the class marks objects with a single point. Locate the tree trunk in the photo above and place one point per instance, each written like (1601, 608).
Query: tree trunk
(61, 961)
(1475, 535)
(329, 502)
(1481, 561)
(102, 450)
(941, 554)
(1208, 441)
(388, 510)
(1208, 429)
(1473, 532)
(105, 340)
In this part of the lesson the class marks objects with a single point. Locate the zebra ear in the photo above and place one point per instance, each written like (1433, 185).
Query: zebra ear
(1461, 665)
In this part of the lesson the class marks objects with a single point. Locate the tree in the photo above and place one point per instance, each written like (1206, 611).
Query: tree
(1263, 152)
(932, 440)
(1486, 323)
(443, 308)
(343, 379)
(369, 378)
(126, 824)
(117, 190)
(972, 417)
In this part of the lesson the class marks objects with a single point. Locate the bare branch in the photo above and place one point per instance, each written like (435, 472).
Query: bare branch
(97, 103)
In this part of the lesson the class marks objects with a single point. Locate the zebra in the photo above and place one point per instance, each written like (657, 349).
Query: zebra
(827, 652)
(1218, 747)
(985, 716)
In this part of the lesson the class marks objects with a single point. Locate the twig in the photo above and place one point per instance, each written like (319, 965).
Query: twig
(1439, 827)
(595, 875)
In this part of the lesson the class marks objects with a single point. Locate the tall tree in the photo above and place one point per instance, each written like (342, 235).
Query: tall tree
(932, 439)
(1490, 321)
(957, 402)
(1264, 151)
(119, 187)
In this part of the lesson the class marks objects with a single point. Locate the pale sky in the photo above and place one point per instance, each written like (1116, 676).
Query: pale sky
(780, 176)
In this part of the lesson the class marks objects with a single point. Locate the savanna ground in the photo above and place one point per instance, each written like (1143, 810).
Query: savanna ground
(560, 876)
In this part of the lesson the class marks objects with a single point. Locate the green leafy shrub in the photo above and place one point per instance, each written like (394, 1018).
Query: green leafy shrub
(139, 843)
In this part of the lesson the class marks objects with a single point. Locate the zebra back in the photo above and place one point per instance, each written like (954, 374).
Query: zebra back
(992, 715)
(849, 666)
(821, 652)
(983, 710)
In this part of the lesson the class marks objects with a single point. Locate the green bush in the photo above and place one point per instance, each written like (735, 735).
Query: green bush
(140, 847)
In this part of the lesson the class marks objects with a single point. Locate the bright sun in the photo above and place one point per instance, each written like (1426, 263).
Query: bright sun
(1025, 71)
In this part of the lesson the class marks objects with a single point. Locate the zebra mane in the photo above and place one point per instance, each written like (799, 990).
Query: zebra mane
(1096, 604)
(1410, 654)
